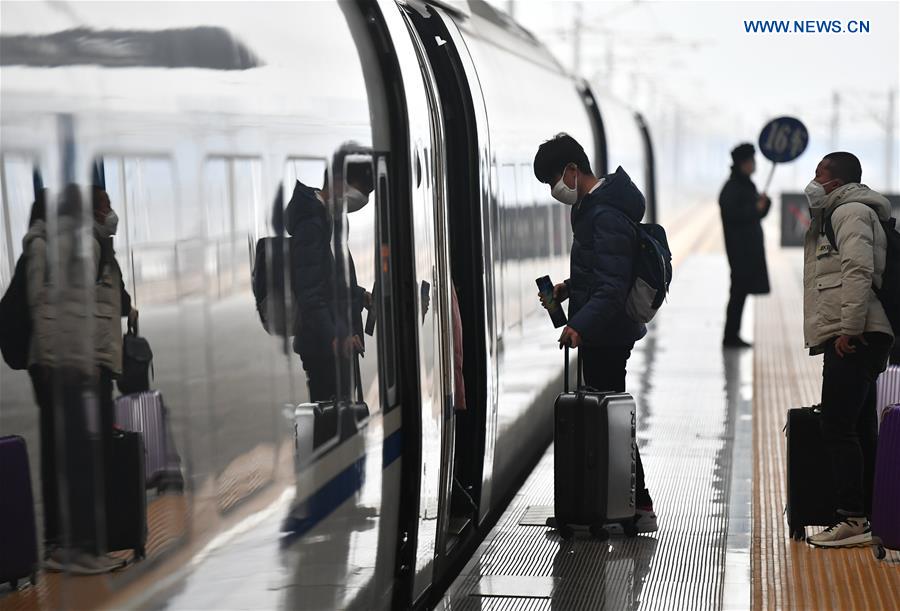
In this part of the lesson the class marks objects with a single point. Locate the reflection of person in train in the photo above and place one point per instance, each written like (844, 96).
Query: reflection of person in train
(308, 221)
(67, 366)
(324, 332)
(352, 298)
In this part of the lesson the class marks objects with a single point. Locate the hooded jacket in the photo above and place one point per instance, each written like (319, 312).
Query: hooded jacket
(312, 270)
(602, 259)
(837, 284)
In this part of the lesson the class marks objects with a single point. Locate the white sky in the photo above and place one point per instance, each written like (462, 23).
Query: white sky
(693, 59)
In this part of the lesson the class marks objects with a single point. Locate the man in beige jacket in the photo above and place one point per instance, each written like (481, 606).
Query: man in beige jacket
(845, 321)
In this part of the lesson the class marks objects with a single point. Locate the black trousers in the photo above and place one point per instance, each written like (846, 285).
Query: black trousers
(76, 423)
(604, 369)
(849, 419)
(734, 312)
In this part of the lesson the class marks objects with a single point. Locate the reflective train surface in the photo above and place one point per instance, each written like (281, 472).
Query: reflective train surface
(417, 122)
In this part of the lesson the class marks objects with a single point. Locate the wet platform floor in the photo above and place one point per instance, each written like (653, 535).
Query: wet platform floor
(694, 431)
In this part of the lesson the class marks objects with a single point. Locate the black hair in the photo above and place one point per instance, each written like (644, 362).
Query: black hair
(742, 152)
(844, 166)
(555, 154)
(360, 174)
(97, 193)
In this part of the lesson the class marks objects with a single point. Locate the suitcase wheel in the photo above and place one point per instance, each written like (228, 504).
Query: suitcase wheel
(630, 529)
(798, 533)
(551, 522)
(14, 584)
(34, 577)
(598, 532)
(879, 552)
(565, 532)
(140, 553)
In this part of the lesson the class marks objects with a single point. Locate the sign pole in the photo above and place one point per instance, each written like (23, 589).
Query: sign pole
(769, 179)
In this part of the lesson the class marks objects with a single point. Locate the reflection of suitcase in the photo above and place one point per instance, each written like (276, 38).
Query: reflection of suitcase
(886, 494)
(18, 535)
(126, 496)
(888, 389)
(594, 459)
(145, 413)
(320, 425)
(810, 490)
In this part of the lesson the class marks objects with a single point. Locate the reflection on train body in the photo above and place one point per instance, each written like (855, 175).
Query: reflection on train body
(295, 210)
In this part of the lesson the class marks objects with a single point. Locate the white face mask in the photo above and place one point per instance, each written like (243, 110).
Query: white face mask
(563, 193)
(109, 226)
(815, 194)
(355, 199)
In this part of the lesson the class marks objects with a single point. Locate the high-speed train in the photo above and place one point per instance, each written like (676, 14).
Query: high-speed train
(201, 115)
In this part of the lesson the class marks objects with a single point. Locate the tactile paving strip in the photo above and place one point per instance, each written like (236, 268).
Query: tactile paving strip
(685, 431)
(791, 574)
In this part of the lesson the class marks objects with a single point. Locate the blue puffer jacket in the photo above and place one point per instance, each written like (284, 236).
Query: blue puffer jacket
(312, 271)
(601, 263)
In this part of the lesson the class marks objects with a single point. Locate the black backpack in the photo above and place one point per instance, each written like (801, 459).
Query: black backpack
(889, 293)
(269, 285)
(652, 272)
(137, 363)
(15, 319)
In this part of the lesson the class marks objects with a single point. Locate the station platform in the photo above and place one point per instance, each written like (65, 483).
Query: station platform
(710, 430)
(709, 426)
(695, 436)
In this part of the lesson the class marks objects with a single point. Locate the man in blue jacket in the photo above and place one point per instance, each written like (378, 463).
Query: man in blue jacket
(603, 215)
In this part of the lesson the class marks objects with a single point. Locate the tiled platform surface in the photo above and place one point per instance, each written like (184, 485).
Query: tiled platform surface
(693, 428)
(790, 574)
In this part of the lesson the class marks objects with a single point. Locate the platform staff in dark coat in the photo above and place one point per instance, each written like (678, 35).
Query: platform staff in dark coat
(743, 209)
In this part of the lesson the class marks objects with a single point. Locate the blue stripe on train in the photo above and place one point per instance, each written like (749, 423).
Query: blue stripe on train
(305, 516)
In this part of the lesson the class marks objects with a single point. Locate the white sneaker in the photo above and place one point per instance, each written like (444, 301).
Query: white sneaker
(645, 520)
(849, 532)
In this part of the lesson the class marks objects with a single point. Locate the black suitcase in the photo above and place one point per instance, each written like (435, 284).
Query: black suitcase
(594, 460)
(126, 496)
(810, 490)
(18, 534)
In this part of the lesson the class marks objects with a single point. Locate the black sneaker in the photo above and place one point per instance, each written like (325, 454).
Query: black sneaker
(735, 342)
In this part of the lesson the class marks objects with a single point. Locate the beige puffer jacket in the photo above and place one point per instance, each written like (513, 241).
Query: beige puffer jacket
(838, 298)
(61, 300)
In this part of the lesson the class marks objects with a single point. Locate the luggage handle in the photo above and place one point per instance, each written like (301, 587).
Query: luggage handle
(357, 379)
(566, 371)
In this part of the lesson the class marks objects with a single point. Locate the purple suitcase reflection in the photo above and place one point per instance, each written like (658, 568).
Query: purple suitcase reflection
(888, 386)
(886, 495)
(145, 413)
(18, 534)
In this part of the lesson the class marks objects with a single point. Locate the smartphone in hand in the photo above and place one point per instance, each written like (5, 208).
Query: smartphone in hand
(557, 314)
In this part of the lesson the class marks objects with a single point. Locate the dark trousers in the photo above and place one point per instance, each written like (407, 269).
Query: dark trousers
(734, 312)
(849, 419)
(604, 369)
(76, 420)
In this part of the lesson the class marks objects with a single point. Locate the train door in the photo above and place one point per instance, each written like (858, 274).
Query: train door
(468, 181)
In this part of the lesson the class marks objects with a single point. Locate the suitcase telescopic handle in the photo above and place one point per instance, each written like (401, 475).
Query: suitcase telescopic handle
(566, 371)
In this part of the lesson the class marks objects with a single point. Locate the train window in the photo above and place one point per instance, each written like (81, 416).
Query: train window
(232, 188)
(18, 195)
(308, 170)
(142, 190)
(510, 250)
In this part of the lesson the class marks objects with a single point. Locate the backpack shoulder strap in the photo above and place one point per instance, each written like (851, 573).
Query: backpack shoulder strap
(828, 228)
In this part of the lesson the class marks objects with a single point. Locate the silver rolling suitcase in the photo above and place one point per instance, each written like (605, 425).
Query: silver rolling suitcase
(145, 413)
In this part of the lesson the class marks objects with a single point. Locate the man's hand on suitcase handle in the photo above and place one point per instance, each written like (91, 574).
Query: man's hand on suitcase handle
(570, 337)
